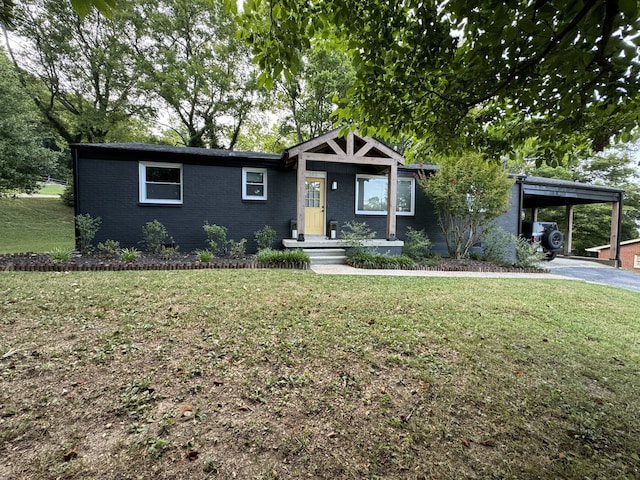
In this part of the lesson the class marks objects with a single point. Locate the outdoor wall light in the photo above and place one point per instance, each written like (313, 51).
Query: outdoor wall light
(334, 185)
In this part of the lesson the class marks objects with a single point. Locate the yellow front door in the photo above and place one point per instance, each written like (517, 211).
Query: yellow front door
(314, 206)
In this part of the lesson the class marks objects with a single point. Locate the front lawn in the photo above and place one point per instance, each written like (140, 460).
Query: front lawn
(259, 374)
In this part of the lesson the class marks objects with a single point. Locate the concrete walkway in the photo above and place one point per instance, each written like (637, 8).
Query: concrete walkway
(562, 268)
(347, 270)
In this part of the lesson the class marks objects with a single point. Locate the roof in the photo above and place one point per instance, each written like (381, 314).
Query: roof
(604, 247)
(211, 156)
(542, 192)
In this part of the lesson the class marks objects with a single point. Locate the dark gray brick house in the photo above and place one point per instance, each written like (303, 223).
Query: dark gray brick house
(306, 194)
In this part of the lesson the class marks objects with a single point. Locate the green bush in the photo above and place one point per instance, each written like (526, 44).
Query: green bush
(154, 235)
(168, 253)
(87, 227)
(110, 248)
(216, 237)
(238, 249)
(279, 258)
(374, 260)
(129, 255)
(417, 245)
(67, 196)
(59, 255)
(527, 255)
(497, 246)
(356, 234)
(265, 237)
(204, 256)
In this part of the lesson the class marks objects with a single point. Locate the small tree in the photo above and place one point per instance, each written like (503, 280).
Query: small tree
(87, 227)
(467, 193)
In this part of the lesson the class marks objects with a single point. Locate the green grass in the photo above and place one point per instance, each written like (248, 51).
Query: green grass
(51, 190)
(35, 225)
(286, 374)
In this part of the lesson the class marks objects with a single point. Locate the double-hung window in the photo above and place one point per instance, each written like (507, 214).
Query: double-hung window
(372, 192)
(254, 183)
(160, 182)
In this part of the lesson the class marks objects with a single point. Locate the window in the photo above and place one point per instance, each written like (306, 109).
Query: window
(160, 183)
(254, 184)
(371, 195)
(636, 261)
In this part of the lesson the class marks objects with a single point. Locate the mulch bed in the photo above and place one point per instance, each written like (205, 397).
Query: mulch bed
(39, 262)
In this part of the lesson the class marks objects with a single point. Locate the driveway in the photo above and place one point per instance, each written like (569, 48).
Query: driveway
(595, 273)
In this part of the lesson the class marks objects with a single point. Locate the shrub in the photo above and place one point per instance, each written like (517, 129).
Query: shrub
(417, 245)
(238, 249)
(154, 234)
(168, 253)
(87, 227)
(527, 255)
(355, 235)
(497, 246)
(216, 237)
(265, 237)
(376, 260)
(129, 255)
(110, 248)
(67, 196)
(204, 255)
(59, 255)
(278, 258)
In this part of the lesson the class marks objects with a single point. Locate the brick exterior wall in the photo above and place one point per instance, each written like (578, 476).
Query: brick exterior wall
(627, 255)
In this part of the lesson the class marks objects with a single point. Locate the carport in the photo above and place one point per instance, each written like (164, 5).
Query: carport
(539, 192)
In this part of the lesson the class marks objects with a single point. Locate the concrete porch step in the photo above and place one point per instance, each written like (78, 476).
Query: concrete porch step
(326, 256)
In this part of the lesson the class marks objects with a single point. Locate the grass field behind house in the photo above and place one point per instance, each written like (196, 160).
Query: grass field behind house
(35, 225)
(51, 189)
(259, 374)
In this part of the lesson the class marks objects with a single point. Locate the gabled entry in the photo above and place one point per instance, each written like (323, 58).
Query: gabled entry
(352, 149)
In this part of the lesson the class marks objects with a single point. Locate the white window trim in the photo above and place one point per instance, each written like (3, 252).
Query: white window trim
(246, 170)
(142, 178)
(636, 261)
(410, 213)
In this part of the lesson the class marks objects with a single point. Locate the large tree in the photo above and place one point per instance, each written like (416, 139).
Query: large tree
(448, 73)
(80, 72)
(23, 156)
(194, 64)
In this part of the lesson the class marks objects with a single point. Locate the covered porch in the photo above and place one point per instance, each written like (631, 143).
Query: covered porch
(312, 228)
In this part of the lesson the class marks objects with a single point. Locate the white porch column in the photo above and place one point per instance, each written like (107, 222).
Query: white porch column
(392, 200)
(300, 192)
(569, 234)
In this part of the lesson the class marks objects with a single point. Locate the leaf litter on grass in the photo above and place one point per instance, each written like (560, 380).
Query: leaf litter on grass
(286, 375)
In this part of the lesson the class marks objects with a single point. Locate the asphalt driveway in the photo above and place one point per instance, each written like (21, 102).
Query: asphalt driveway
(595, 273)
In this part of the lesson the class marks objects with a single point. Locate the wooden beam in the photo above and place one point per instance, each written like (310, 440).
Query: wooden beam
(569, 233)
(392, 200)
(300, 192)
(335, 147)
(328, 157)
(615, 233)
(350, 143)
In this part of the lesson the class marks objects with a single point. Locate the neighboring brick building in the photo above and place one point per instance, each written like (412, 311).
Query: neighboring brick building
(629, 253)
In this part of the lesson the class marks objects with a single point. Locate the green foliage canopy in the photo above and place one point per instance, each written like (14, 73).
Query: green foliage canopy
(450, 73)
(23, 156)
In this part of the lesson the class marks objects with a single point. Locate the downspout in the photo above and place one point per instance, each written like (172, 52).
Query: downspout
(76, 206)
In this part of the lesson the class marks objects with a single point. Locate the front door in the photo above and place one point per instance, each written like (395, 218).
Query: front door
(314, 206)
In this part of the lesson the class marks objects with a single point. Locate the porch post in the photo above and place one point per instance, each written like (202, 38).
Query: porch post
(534, 214)
(392, 200)
(614, 241)
(569, 233)
(300, 191)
